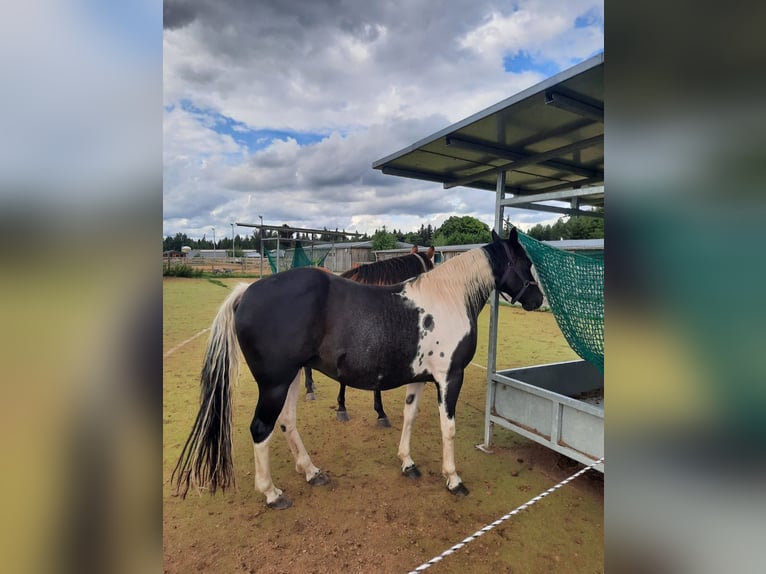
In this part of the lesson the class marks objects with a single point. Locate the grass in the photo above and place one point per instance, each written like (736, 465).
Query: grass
(180, 270)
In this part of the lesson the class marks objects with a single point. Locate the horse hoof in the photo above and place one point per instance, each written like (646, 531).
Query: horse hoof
(319, 479)
(411, 472)
(384, 423)
(310, 397)
(280, 503)
(459, 490)
(343, 416)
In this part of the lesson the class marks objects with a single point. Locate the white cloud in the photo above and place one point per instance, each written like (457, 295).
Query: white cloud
(371, 78)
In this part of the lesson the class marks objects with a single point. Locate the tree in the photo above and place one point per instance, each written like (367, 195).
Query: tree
(382, 239)
(462, 231)
(414, 238)
(175, 243)
(575, 227)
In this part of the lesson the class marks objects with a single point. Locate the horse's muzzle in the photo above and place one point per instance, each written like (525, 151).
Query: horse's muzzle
(534, 298)
(531, 305)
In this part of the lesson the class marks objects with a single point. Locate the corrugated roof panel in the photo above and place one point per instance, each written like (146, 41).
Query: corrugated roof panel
(548, 137)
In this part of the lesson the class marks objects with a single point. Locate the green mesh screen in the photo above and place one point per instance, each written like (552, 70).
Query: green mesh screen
(574, 287)
(300, 259)
(272, 263)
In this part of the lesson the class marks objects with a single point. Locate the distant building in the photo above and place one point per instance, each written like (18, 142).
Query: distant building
(207, 253)
(341, 257)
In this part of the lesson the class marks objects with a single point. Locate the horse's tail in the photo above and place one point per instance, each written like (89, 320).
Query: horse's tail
(206, 460)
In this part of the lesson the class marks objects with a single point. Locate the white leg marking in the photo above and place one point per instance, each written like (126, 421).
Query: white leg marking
(287, 420)
(410, 413)
(448, 442)
(263, 471)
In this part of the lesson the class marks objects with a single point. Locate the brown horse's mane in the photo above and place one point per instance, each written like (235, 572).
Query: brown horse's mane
(395, 270)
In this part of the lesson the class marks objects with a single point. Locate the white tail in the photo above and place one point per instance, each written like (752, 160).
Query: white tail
(206, 460)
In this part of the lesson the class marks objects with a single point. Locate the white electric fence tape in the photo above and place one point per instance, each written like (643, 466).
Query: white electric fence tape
(502, 519)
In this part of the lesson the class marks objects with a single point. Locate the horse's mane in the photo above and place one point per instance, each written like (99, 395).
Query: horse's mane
(465, 279)
(390, 271)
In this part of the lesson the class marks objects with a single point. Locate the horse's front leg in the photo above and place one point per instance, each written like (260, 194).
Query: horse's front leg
(454, 482)
(410, 412)
(447, 402)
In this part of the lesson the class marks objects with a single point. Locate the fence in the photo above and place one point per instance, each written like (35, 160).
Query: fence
(222, 265)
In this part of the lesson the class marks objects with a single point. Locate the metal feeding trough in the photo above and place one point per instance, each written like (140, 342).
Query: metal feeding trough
(559, 405)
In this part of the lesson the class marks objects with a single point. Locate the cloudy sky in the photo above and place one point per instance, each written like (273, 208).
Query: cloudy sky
(279, 107)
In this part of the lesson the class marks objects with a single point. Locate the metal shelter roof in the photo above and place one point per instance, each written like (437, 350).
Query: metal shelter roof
(287, 229)
(548, 139)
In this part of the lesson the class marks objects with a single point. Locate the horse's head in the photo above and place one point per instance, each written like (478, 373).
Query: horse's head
(427, 257)
(513, 271)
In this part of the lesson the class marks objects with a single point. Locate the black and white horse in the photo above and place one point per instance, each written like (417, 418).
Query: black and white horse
(368, 337)
(384, 272)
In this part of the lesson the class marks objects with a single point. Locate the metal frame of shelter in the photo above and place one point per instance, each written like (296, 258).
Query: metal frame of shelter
(541, 149)
(283, 229)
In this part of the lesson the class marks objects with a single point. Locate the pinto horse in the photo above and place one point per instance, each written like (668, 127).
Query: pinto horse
(385, 272)
(366, 336)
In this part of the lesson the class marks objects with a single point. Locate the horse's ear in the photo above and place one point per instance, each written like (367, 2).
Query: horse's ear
(414, 249)
(513, 235)
(495, 236)
(430, 252)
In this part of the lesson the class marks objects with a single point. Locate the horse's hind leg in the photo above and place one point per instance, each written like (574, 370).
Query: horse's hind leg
(274, 496)
(287, 423)
(382, 417)
(310, 396)
(342, 414)
(410, 412)
(262, 428)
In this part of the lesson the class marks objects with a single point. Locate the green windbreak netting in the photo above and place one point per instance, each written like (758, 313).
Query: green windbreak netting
(300, 259)
(574, 287)
(272, 263)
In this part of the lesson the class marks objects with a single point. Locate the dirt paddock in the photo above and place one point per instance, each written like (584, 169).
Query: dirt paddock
(370, 518)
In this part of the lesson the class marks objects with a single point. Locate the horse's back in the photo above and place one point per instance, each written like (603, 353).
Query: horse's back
(283, 311)
(296, 283)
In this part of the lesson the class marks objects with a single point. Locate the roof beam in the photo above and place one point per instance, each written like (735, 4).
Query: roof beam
(514, 155)
(549, 196)
(411, 173)
(561, 210)
(299, 229)
(570, 104)
(583, 183)
(531, 159)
